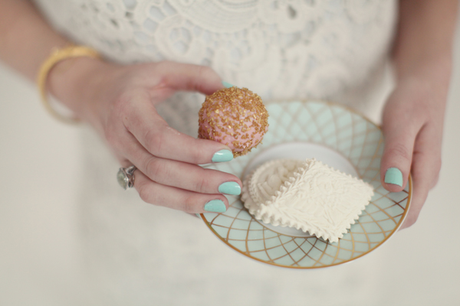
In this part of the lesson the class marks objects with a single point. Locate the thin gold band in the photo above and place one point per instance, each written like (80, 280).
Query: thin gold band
(55, 57)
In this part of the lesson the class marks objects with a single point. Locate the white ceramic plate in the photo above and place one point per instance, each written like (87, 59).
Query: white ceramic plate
(338, 137)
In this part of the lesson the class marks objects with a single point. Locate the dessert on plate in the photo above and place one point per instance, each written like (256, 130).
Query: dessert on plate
(307, 195)
(235, 117)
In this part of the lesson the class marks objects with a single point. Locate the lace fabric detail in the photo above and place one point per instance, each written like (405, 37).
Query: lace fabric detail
(279, 49)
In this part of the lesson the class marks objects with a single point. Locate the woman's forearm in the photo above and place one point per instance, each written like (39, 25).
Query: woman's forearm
(26, 40)
(424, 39)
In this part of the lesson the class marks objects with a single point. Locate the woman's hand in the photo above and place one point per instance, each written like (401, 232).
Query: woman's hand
(414, 114)
(119, 102)
(412, 126)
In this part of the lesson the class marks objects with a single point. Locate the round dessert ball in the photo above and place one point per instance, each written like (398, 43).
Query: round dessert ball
(235, 117)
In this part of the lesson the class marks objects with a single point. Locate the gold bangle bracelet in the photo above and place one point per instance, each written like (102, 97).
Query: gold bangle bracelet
(55, 57)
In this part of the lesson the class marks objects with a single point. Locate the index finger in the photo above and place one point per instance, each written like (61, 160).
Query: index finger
(157, 137)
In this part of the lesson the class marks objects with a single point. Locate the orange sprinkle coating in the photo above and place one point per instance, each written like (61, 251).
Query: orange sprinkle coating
(237, 113)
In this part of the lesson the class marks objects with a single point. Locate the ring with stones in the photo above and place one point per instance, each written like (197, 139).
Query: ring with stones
(125, 177)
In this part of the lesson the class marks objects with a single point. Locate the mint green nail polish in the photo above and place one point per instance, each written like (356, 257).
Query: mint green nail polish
(230, 188)
(222, 156)
(215, 206)
(227, 84)
(394, 176)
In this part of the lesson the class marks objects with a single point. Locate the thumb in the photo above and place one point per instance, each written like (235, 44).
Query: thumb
(399, 133)
(190, 77)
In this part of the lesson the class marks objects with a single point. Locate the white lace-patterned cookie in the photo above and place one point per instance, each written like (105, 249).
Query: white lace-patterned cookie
(306, 195)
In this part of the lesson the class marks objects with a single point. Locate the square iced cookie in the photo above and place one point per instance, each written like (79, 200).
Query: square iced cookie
(307, 195)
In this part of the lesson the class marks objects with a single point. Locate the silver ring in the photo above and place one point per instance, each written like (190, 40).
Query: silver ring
(125, 177)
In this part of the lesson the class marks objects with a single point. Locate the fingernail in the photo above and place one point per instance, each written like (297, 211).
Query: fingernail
(222, 156)
(394, 176)
(230, 188)
(215, 206)
(227, 84)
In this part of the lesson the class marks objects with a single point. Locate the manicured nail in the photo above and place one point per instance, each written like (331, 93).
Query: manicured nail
(227, 84)
(215, 206)
(394, 176)
(222, 156)
(230, 188)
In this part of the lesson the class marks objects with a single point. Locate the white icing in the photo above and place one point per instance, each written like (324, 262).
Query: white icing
(307, 195)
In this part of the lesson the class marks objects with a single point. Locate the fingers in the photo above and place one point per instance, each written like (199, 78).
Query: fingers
(188, 201)
(190, 177)
(413, 134)
(179, 174)
(425, 171)
(163, 141)
(190, 77)
(167, 160)
(399, 132)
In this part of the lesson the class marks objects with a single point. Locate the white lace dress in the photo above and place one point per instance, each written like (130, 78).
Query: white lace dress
(335, 50)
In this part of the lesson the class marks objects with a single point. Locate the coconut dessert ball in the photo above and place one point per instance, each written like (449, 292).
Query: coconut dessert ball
(235, 117)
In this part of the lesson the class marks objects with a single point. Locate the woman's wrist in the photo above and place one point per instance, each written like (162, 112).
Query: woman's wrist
(74, 81)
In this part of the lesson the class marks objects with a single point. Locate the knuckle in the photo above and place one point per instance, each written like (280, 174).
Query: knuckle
(189, 204)
(202, 185)
(155, 168)
(155, 140)
(401, 151)
(200, 151)
(196, 155)
(126, 105)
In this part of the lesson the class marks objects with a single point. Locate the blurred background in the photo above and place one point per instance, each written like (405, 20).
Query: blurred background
(38, 253)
